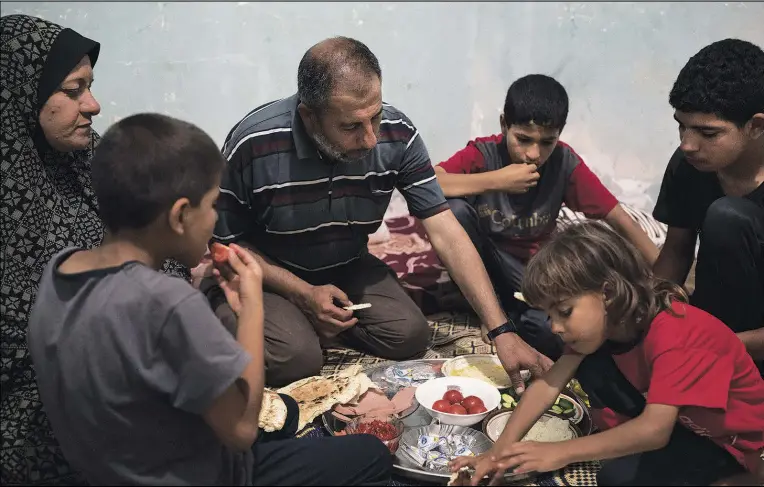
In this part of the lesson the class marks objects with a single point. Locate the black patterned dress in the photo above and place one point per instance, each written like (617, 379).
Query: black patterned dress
(48, 204)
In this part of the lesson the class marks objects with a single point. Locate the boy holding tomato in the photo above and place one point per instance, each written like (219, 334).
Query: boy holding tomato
(143, 385)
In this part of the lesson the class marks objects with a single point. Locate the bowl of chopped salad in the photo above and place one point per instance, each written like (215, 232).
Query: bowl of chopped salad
(567, 406)
(388, 428)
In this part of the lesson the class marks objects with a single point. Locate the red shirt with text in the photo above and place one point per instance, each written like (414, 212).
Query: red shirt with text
(698, 364)
(520, 223)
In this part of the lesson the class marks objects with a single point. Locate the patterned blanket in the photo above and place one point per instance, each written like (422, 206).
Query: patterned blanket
(409, 253)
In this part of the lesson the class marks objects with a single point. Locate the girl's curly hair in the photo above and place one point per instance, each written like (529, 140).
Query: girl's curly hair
(591, 257)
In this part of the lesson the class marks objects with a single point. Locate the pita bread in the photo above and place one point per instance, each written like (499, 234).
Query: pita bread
(317, 395)
(273, 412)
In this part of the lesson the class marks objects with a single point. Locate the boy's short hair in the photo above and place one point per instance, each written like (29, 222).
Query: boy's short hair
(145, 163)
(536, 98)
(725, 78)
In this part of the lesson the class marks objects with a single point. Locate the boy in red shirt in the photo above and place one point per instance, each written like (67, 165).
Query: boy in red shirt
(507, 190)
(690, 398)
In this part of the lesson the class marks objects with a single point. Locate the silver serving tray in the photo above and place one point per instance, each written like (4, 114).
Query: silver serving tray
(407, 467)
(411, 417)
(417, 419)
(411, 437)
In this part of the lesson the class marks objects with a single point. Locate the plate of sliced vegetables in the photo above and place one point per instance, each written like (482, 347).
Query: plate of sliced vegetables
(565, 407)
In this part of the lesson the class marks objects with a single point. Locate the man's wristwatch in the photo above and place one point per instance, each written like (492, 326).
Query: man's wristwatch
(508, 327)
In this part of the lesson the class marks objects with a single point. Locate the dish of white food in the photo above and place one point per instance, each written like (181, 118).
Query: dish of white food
(550, 428)
(547, 429)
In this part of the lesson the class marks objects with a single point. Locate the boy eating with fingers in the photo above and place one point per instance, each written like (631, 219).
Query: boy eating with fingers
(507, 191)
(142, 383)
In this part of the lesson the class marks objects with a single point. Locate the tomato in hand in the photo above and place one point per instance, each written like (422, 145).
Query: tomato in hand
(220, 260)
(442, 406)
(453, 396)
(219, 253)
(470, 402)
(457, 409)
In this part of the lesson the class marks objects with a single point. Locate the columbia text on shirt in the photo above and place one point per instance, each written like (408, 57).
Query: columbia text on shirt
(520, 223)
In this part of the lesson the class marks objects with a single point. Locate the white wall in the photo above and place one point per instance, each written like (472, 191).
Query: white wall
(447, 65)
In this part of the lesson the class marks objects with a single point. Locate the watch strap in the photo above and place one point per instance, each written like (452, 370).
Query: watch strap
(508, 327)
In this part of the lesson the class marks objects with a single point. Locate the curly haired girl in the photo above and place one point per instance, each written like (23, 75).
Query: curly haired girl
(676, 397)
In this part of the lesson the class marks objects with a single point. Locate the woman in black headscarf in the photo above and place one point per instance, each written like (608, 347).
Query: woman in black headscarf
(48, 204)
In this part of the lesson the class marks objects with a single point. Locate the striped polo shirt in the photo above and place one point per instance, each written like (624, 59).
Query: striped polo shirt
(305, 211)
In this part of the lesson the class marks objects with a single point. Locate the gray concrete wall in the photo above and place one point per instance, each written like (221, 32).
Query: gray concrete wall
(447, 65)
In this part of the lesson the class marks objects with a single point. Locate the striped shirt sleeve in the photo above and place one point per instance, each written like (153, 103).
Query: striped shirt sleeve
(417, 181)
(235, 215)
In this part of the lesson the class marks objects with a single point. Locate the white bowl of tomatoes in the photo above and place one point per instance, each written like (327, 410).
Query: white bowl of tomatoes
(460, 401)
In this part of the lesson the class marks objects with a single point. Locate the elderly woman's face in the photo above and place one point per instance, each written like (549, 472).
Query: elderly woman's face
(66, 117)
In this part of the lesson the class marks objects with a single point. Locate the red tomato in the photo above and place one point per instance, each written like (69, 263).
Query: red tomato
(476, 409)
(457, 409)
(442, 406)
(219, 253)
(452, 396)
(470, 402)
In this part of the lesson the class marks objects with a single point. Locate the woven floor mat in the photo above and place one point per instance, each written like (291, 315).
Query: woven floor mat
(451, 335)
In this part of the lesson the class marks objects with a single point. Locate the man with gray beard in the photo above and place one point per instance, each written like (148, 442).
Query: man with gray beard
(309, 178)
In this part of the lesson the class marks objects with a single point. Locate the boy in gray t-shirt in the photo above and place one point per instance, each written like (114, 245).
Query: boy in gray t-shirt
(141, 382)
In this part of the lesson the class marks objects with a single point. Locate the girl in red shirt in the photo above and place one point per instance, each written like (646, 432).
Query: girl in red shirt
(678, 399)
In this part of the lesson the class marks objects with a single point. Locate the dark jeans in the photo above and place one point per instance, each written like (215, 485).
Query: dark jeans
(729, 274)
(688, 459)
(393, 328)
(506, 272)
(281, 459)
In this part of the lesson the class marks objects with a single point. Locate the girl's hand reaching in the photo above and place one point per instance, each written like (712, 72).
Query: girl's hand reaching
(520, 457)
(483, 465)
(533, 456)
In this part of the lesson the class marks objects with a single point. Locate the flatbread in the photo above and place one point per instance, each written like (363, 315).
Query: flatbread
(317, 395)
(273, 412)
